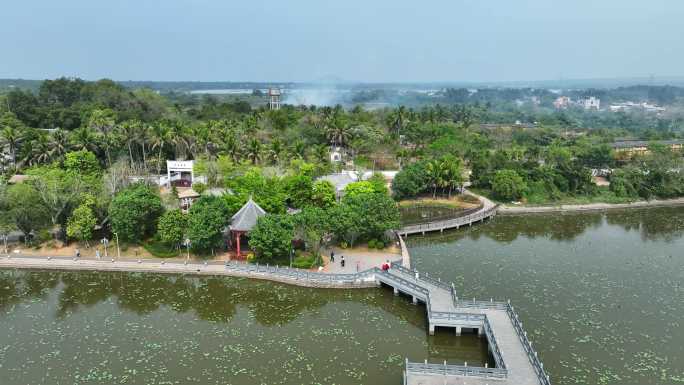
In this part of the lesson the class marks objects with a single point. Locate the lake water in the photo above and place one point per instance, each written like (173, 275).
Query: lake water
(128, 328)
(601, 296)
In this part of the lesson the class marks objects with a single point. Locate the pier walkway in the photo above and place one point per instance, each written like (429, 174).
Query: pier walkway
(488, 210)
(516, 361)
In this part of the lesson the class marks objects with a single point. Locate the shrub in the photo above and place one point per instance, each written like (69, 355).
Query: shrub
(160, 249)
(304, 262)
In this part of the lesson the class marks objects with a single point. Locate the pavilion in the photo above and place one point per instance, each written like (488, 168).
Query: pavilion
(244, 221)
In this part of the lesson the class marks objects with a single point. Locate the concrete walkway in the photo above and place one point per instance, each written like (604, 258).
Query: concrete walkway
(357, 260)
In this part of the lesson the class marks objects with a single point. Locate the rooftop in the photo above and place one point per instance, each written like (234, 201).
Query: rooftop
(246, 218)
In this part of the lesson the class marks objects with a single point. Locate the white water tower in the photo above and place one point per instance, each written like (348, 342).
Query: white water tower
(274, 94)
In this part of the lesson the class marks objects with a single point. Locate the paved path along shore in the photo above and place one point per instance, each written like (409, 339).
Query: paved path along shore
(508, 209)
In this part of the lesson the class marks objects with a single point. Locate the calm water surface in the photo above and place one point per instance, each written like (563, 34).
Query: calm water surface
(113, 328)
(601, 295)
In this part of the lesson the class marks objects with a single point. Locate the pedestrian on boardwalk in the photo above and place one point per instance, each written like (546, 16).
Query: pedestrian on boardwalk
(332, 256)
(342, 261)
(97, 253)
(78, 253)
(357, 266)
(387, 262)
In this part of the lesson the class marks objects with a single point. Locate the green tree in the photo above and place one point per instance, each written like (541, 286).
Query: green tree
(134, 211)
(26, 209)
(323, 194)
(271, 238)
(359, 188)
(508, 185)
(375, 214)
(82, 162)
(82, 222)
(207, 218)
(172, 227)
(410, 181)
(313, 226)
(299, 189)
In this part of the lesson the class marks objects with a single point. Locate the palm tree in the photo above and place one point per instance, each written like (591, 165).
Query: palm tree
(84, 138)
(432, 170)
(159, 135)
(254, 150)
(128, 131)
(321, 153)
(274, 151)
(399, 119)
(11, 137)
(338, 132)
(143, 137)
(231, 147)
(177, 137)
(298, 149)
(41, 150)
(60, 143)
(103, 121)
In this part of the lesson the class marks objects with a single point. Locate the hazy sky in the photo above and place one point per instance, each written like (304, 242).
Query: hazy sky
(364, 40)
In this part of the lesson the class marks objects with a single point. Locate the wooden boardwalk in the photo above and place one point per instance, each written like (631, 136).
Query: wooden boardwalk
(516, 362)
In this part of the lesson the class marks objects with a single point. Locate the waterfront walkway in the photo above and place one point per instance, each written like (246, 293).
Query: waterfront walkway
(486, 211)
(516, 362)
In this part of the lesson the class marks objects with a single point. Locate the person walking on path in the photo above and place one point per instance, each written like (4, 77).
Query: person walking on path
(97, 253)
(332, 256)
(342, 261)
(357, 266)
(78, 253)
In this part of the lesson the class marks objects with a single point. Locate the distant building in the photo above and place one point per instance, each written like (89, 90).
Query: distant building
(590, 103)
(631, 106)
(640, 147)
(274, 95)
(562, 102)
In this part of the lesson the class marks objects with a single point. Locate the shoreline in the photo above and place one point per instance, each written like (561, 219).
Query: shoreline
(296, 278)
(515, 210)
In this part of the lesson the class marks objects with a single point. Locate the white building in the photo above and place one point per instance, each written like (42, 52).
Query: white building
(590, 103)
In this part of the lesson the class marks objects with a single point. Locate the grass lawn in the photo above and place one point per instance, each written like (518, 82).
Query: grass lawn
(604, 195)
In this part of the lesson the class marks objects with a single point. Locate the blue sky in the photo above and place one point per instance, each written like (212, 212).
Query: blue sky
(381, 40)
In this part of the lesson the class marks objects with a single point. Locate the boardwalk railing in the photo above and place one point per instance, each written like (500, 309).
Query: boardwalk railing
(449, 223)
(454, 370)
(527, 345)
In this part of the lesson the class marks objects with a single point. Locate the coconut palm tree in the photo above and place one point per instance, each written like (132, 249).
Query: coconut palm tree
(60, 143)
(231, 147)
(41, 150)
(11, 137)
(142, 137)
(254, 149)
(275, 149)
(85, 138)
(128, 131)
(103, 121)
(159, 134)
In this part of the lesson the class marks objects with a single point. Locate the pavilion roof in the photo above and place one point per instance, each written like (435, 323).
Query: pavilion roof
(246, 218)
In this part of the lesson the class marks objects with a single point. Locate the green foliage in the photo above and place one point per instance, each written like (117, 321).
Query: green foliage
(207, 218)
(199, 187)
(271, 238)
(323, 194)
(313, 226)
(299, 190)
(508, 185)
(305, 261)
(359, 188)
(172, 227)
(410, 181)
(81, 162)
(82, 221)
(371, 215)
(26, 209)
(161, 249)
(134, 211)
